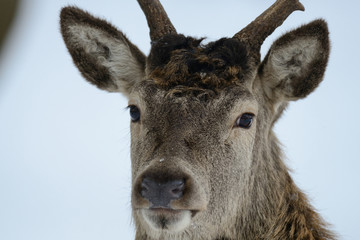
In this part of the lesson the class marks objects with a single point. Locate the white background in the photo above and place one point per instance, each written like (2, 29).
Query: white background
(64, 144)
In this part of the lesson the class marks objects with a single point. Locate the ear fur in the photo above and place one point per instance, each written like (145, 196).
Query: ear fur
(104, 56)
(296, 62)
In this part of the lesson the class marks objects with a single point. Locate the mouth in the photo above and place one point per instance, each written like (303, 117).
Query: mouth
(165, 219)
(171, 212)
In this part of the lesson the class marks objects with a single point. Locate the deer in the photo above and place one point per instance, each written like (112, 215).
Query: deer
(205, 161)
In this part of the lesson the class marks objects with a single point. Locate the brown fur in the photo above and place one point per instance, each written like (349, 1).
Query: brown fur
(236, 183)
(177, 60)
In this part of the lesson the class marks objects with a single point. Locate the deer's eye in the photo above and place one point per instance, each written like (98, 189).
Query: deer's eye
(134, 113)
(244, 121)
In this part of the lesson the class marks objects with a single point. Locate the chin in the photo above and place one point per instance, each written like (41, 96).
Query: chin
(166, 221)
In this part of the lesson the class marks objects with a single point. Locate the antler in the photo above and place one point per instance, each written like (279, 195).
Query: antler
(158, 21)
(257, 31)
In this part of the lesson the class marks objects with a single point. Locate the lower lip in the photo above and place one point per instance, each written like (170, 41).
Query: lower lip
(171, 212)
(164, 211)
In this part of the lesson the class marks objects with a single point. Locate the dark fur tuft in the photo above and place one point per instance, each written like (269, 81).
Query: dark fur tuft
(161, 50)
(178, 60)
(232, 51)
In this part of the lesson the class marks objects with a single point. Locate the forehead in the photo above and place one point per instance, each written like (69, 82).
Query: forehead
(149, 95)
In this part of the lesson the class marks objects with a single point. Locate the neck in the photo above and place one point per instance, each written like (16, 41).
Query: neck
(278, 209)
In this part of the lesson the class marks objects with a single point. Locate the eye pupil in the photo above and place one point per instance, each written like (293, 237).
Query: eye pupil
(134, 113)
(244, 121)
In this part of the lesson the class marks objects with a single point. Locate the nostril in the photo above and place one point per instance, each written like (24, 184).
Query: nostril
(145, 187)
(143, 191)
(176, 191)
(177, 188)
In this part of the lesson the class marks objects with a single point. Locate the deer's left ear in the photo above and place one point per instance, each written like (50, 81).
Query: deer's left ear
(296, 62)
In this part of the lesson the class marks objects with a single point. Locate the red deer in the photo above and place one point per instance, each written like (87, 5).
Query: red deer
(206, 163)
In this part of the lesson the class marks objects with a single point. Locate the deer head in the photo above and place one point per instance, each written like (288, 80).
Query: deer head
(205, 161)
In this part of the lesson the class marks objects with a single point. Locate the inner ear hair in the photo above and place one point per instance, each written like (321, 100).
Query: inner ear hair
(296, 62)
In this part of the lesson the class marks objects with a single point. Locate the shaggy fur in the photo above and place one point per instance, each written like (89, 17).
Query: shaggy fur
(178, 60)
(189, 97)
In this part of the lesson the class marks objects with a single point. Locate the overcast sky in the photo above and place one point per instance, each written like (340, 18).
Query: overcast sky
(64, 144)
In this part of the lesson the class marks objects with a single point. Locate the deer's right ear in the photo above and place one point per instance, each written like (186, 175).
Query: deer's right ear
(104, 56)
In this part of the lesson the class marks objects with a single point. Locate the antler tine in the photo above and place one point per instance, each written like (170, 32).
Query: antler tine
(158, 21)
(257, 31)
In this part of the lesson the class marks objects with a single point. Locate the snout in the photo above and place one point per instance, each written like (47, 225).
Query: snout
(168, 196)
(160, 194)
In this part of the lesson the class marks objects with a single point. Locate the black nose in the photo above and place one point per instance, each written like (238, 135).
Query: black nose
(160, 194)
